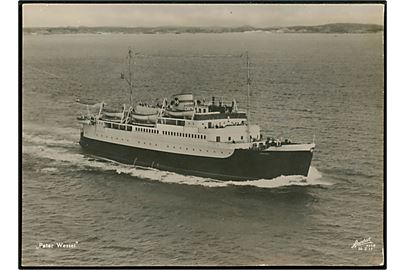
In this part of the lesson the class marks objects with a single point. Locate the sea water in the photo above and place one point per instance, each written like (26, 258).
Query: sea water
(326, 86)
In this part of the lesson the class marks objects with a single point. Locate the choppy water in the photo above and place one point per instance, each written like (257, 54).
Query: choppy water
(303, 84)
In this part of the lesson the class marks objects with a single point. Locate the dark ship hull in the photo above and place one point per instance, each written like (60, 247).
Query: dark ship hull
(243, 164)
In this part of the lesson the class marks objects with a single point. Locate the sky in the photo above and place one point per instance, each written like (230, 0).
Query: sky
(149, 15)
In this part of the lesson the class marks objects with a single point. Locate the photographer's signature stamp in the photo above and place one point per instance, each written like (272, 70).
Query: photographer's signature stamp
(365, 244)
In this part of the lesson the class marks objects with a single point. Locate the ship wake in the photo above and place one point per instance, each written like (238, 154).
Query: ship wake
(314, 178)
(61, 153)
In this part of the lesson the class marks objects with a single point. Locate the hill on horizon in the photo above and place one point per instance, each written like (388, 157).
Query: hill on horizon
(324, 28)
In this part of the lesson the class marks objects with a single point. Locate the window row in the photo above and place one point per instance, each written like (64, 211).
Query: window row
(147, 130)
(185, 135)
(155, 131)
(129, 128)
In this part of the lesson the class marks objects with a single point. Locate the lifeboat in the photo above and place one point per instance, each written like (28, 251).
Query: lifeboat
(144, 117)
(146, 110)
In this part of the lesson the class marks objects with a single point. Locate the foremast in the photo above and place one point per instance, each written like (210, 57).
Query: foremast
(248, 82)
(129, 77)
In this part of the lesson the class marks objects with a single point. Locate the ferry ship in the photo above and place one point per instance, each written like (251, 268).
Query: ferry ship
(190, 136)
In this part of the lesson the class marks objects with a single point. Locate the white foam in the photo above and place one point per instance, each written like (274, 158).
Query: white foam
(58, 132)
(55, 154)
(49, 170)
(170, 177)
(47, 140)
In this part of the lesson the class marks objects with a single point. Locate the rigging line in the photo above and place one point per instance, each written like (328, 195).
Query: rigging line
(53, 75)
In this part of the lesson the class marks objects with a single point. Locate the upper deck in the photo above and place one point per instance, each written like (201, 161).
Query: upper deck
(214, 121)
(229, 132)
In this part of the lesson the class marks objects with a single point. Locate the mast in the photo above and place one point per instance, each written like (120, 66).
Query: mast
(129, 78)
(248, 81)
(248, 87)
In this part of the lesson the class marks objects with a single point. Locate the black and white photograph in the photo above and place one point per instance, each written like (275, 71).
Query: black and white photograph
(202, 134)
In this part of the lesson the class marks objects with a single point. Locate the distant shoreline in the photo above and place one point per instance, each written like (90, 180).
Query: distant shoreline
(336, 28)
